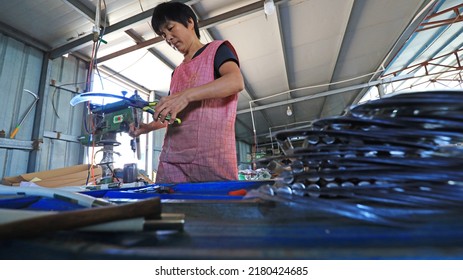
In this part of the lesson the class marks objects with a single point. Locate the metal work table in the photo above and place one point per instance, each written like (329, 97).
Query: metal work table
(251, 229)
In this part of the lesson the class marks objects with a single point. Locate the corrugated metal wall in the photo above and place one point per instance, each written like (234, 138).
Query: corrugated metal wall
(58, 125)
(61, 123)
(20, 68)
(243, 150)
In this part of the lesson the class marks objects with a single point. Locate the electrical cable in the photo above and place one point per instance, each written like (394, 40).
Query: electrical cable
(130, 65)
(92, 169)
(100, 39)
(92, 66)
(56, 87)
(298, 89)
(114, 174)
(53, 103)
(316, 86)
(88, 172)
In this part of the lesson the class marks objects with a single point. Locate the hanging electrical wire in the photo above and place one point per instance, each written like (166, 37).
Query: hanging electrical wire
(99, 41)
(98, 38)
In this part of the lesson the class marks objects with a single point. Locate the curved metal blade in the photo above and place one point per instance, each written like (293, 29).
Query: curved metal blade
(95, 97)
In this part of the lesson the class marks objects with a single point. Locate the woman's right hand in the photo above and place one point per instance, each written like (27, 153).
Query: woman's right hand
(145, 128)
(135, 132)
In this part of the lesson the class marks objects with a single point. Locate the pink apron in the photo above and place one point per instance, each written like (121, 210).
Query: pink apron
(202, 148)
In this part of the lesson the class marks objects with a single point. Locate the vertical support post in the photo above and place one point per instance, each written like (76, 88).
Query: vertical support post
(37, 127)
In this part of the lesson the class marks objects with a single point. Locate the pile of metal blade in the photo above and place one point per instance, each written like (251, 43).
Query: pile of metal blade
(393, 161)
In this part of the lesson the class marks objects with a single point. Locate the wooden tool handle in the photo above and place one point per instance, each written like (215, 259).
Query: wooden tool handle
(15, 131)
(148, 208)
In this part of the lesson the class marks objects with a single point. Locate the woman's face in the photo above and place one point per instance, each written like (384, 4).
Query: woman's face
(178, 36)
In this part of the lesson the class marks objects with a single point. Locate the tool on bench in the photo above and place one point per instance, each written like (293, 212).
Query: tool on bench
(67, 220)
(83, 213)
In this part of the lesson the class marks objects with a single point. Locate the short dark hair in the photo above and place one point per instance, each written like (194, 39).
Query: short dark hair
(173, 11)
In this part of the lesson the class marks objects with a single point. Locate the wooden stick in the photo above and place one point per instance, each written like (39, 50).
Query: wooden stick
(148, 208)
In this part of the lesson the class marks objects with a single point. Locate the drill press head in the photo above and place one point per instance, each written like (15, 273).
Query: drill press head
(105, 121)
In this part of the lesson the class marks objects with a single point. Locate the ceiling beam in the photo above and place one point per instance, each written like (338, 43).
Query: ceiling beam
(22, 37)
(111, 73)
(340, 48)
(424, 10)
(322, 94)
(285, 56)
(130, 49)
(139, 39)
(88, 39)
(122, 79)
(408, 36)
(233, 14)
(85, 11)
(203, 24)
(454, 17)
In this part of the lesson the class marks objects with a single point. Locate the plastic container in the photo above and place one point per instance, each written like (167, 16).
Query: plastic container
(130, 173)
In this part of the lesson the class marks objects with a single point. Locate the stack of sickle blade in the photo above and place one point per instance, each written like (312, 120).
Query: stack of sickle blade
(402, 152)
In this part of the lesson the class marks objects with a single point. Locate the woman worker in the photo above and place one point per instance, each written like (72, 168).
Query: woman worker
(203, 94)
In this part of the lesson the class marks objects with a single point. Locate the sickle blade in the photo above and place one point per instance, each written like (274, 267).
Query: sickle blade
(95, 97)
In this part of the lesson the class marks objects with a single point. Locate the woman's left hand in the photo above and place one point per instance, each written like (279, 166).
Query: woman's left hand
(170, 106)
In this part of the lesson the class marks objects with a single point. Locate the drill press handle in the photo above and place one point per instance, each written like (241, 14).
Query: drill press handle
(135, 143)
